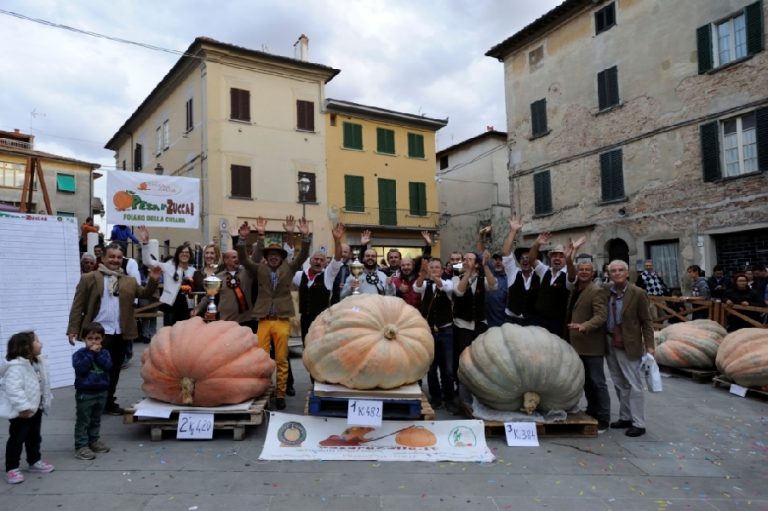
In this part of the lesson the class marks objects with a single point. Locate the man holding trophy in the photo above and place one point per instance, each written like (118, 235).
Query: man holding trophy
(229, 291)
(366, 278)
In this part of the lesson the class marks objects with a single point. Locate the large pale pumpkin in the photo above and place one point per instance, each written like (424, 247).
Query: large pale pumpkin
(743, 357)
(690, 345)
(507, 362)
(205, 364)
(367, 342)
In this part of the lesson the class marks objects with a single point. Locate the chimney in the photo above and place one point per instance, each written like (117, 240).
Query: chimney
(301, 48)
(488, 128)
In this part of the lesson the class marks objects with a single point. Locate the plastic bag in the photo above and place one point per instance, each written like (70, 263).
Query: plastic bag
(650, 370)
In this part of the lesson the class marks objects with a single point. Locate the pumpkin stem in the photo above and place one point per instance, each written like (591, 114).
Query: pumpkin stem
(530, 402)
(187, 390)
(390, 332)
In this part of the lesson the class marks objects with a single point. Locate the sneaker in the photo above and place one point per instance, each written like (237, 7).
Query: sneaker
(99, 446)
(84, 453)
(41, 467)
(14, 476)
(602, 426)
(280, 403)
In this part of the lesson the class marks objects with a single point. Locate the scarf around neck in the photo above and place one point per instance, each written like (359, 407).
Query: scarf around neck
(114, 276)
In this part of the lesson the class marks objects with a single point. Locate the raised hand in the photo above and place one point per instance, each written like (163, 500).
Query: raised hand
(303, 226)
(486, 256)
(365, 237)
(427, 237)
(338, 231)
(486, 231)
(244, 230)
(543, 238)
(155, 272)
(290, 224)
(261, 226)
(143, 233)
(578, 243)
(515, 223)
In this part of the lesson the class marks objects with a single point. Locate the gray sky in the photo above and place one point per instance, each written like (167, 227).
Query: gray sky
(74, 91)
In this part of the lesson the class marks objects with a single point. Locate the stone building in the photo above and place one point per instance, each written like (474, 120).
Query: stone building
(644, 126)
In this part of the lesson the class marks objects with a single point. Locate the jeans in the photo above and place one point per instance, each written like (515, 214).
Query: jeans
(89, 407)
(23, 433)
(442, 390)
(115, 344)
(596, 388)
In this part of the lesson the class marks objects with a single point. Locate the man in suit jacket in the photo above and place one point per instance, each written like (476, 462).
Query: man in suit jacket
(630, 336)
(234, 298)
(586, 315)
(274, 304)
(106, 296)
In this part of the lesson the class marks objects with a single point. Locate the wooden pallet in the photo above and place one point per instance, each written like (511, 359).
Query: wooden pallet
(725, 382)
(696, 375)
(575, 425)
(393, 409)
(222, 420)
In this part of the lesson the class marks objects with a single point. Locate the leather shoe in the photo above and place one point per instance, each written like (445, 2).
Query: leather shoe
(290, 391)
(280, 403)
(633, 432)
(621, 424)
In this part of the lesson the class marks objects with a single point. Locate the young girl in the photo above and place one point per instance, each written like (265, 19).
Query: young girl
(27, 388)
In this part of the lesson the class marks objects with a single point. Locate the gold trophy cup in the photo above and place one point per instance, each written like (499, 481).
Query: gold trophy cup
(356, 269)
(212, 285)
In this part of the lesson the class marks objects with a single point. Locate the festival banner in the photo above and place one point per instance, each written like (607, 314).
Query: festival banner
(302, 437)
(136, 198)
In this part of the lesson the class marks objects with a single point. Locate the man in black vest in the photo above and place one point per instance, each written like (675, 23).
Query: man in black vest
(552, 301)
(523, 284)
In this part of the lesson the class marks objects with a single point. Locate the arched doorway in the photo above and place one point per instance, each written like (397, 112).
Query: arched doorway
(617, 248)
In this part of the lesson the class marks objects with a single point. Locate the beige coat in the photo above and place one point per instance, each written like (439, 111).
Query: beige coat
(591, 310)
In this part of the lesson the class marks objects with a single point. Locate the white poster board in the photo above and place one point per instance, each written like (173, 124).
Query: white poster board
(39, 270)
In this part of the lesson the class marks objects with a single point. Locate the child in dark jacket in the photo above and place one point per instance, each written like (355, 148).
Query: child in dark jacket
(92, 365)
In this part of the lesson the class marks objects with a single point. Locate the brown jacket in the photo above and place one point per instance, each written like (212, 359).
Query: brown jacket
(227, 301)
(591, 310)
(280, 297)
(87, 301)
(636, 322)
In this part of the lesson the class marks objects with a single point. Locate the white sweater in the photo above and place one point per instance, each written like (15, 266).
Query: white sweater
(21, 388)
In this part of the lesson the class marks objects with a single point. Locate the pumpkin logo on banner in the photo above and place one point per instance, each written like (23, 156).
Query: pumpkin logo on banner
(462, 436)
(292, 434)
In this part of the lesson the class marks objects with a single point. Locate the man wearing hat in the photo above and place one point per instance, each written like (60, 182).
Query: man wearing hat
(552, 301)
(274, 305)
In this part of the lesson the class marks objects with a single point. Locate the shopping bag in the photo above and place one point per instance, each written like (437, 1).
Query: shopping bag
(650, 370)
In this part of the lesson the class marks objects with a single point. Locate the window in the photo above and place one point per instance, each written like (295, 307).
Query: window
(166, 135)
(333, 119)
(605, 18)
(385, 141)
(12, 175)
(124, 167)
(744, 143)
(612, 175)
(415, 145)
(535, 56)
(665, 260)
(539, 118)
(241, 181)
(608, 88)
(731, 39)
(138, 158)
(444, 162)
(387, 202)
(159, 140)
(240, 105)
(354, 194)
(65, 183)
(64, 213)
(353, 136)
(305, 115)
(417, 193)
(189, 125)
(542, 193)
(311, 195)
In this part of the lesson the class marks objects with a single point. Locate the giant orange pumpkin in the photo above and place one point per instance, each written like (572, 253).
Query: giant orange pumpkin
(743, 357)
(690, 345)
(367, 342)
(194, 363)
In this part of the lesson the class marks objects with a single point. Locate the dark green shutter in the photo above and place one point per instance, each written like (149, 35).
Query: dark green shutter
(385, 141)
(542, 193)
(539, 117)
(704, 48)
(354, 196)
(415, 145)
(608, 88)
(353, 136)
(612, 175)
(754, 23)
(387, 202)
(710, 151)
(761, 133)
(417, 194)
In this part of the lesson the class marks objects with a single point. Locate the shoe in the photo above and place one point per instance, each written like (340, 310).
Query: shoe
(633, 431)
(436, 403)
(451, 407)
(14, 476)
(280, 403)
(621, 424)
(41, 467)
(602, 426)
(114, 409)
(99, 446)
(84, 453)
(290, 391)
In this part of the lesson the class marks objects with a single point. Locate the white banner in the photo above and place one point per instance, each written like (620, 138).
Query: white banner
(136, 198)
(302, 437)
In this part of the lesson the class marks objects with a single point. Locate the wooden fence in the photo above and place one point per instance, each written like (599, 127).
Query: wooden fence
(716, 311)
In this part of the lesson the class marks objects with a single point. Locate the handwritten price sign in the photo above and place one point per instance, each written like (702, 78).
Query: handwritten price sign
(364, 413)
(195, 426)
(521, 434)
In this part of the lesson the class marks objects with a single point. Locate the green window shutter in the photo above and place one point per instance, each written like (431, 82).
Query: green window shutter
(354, 197)
(754, 23)
(539, 117)
(612, 175)
(417, 193)
(353, 136)
(542, 193)
(385, 141)
(415, 145)
(387, 202)
(761, 132)
(710, 151)
(704, 48)
(65, 183)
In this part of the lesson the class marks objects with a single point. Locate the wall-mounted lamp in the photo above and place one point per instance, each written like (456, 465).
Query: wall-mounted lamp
(159, 170)
(304, 184)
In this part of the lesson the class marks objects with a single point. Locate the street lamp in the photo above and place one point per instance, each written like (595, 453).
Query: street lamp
(304, 184)
(159, 170)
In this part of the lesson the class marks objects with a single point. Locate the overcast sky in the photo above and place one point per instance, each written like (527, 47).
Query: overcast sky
(73, 91)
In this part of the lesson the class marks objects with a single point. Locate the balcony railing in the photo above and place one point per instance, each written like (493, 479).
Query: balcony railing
(399, 218)
(12, 142)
